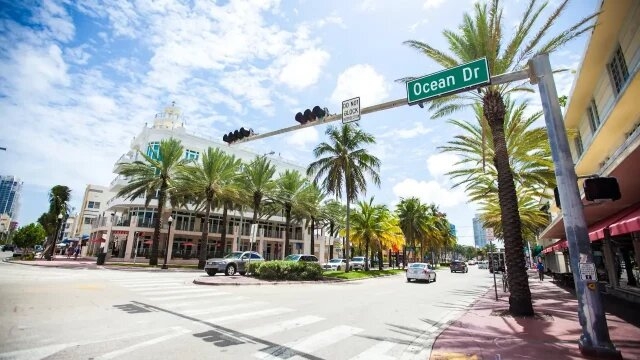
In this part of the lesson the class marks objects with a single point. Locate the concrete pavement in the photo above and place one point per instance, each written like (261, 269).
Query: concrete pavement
(486, 331)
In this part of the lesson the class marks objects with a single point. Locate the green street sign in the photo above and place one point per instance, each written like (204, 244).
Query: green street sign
(446, 82)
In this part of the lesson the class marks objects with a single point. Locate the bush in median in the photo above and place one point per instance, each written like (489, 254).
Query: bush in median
(286, 270)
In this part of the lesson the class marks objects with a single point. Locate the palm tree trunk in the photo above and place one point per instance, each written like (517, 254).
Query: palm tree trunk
(223, 231)
(519, 292)
(155, 243)
(287, 214)
(205, 236)
(380, 255)
(366, 255)
(346, 239)
(313, 235)
(331, 243)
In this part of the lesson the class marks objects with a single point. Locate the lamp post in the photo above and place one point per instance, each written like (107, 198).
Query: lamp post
(136, 238)
(50, 253)
(166, 252)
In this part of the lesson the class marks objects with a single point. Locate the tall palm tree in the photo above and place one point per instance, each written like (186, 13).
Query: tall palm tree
(155, 174)
(342, 164)
(214, 176)
(392, 235)
(59, 197)
(257, 180)
(481, 35)
(414, 222)
(333, 214)
(313, 211)
(291, 195)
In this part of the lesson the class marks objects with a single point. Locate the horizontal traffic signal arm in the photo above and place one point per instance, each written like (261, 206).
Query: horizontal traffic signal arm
(495, 80)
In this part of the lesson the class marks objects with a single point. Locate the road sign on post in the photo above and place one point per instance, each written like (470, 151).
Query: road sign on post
(351, 110)
(449, 81)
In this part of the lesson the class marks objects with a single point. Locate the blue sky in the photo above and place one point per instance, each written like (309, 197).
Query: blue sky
(79, 79)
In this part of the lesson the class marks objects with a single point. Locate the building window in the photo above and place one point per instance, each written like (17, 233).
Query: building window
(87, 221)
(191, 155)
(578, 144)
(153, 150)
(618, 70)
(93, 205)
(594, 118)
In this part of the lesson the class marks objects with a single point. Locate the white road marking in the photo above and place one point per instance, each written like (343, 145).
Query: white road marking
(311, 343)
(174, 291)
(254, 314)
(186, 296)
(377, 352)
(261, 331)
(34, 353)
(219, 309)
(177, 331)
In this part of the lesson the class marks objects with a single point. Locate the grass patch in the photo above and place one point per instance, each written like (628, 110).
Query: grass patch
(352, 275)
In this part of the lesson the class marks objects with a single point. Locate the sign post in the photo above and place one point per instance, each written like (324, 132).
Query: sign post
(449, 81)
(351, 110)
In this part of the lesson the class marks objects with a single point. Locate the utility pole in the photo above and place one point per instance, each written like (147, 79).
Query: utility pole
(595, 338)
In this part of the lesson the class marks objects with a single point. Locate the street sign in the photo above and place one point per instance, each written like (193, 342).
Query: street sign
(449, 81)
(254, 231)
(351, 110)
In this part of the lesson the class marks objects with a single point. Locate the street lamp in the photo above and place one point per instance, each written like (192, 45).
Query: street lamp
(166, 252)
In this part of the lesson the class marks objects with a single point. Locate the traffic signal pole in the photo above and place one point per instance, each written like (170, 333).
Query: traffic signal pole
(595, 338)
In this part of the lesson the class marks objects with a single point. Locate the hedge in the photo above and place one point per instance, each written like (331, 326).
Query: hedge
(286, 270)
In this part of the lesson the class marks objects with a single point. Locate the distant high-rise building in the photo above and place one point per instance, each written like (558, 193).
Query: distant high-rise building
(479, 233)
(10, 190)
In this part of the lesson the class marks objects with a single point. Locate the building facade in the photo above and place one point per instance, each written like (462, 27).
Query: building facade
(10, 191)
(124, 227)
(94, 203)
(479, 234)
(604, 118)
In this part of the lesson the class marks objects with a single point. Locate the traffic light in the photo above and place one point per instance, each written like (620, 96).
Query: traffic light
(601, 188)
(311, 115)
(239, 134)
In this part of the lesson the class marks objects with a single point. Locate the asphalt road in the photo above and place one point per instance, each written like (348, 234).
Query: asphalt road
(113, 314)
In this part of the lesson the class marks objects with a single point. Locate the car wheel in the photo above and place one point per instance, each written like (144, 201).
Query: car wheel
(434, 278)
(210, 272)
(408, 280)
(231, 270)
(452, 271)
(338, 268)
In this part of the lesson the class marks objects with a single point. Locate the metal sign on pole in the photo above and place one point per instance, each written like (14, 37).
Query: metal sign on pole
(254, 232)
(351, 110)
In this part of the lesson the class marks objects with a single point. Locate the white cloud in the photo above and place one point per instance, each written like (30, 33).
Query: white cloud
(433, 4)
(360, 80)
(408, 133)
(428, 192)
(439, 164)
(303, 137)
(304, 70)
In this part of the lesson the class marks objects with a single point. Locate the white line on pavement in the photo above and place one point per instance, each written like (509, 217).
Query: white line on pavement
(177, 331)
(186, 296)
(254, 314)
(270, 329)
(219, 309)
(377, 352)
(311, 343)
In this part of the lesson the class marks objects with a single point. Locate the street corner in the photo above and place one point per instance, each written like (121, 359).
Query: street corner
(439, 355)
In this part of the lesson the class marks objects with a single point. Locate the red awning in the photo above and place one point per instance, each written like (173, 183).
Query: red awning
(188, 244)
(627, 224)
(97, 240)
(596, 231)
(556, 246)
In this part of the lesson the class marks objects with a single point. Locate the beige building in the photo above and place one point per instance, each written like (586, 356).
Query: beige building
(604, 114)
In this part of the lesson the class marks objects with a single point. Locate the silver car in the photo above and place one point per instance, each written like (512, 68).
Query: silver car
(236, 262)
(421, 271)
(357, 263)
(335, 264)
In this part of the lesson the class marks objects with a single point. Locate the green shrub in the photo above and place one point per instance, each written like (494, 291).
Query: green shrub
(286, 270)
(445, 264)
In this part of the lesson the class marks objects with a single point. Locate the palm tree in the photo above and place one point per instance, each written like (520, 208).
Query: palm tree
(342, 164)
(481, 35)
(414, 222)
(152, 178)
(392, 235)
(291, 195)
(313, 211)
(333, 214)
(59, 197)
(257, 180)
(215, 176)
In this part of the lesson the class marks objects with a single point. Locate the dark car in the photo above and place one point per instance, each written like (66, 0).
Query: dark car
(459, 266)
(8, 247)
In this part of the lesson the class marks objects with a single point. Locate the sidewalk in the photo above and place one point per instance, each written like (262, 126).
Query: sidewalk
(486, 332)
(61, 261)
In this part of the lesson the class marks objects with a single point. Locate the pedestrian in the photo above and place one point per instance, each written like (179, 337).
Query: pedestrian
(76, 253)
(540, 267)
(69, 252)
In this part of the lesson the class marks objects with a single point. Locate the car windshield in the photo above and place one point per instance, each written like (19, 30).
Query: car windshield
(335, 261)
(234, 255)
(292, 258)
(417, 266)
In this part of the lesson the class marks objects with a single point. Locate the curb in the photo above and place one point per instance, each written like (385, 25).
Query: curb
(258, 282)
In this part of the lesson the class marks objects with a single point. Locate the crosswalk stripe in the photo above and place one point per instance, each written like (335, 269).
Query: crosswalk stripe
(196, 304)
(177, 331)
(186, 296)
(188, 290)
(254, 314)
(311, 343)
(147, 287)
(219, 309)
(172, 287)
(149, 282)
(376, 352)
(261, 331)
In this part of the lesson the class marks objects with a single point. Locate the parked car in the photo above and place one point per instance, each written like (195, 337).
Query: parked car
(236, 262)
(458, 266)
(421, 271)
(471, 262)
(8, 247)
(335, 264)
(301, 257)
(357, 263)
(483, 264)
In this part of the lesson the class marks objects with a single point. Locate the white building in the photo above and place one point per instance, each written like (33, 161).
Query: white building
(94, 203)
(125, 227)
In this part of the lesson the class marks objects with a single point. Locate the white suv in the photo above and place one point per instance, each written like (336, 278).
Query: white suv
(357, 263)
